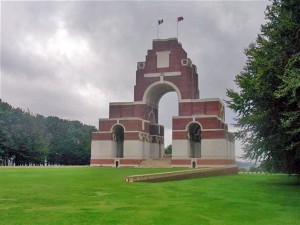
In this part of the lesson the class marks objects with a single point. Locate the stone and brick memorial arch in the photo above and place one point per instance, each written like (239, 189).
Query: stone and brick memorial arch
(131, 134)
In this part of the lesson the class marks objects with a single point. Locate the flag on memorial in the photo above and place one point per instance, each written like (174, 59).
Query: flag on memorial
(160, 21)
(179, 18)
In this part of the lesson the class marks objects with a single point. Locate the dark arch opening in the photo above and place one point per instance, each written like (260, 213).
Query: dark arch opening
(194, 135)
(118, 136)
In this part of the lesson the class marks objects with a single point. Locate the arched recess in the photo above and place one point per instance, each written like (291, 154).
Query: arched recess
(118, 137)
(156, 90)
(152, 118)
(194, 136)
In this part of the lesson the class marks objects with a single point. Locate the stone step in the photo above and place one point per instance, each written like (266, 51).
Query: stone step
(156, 163)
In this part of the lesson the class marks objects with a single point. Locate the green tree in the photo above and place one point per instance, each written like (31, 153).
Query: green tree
(69, 141)
(5, 138)
(21, 138)
(268, 100)
(168, 150)
(30, 139)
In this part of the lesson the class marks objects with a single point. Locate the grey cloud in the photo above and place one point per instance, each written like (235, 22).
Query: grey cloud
(20, 18)
(18, 63)
(117, 35)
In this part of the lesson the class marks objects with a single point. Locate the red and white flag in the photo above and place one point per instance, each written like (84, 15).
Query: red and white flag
(160, 21)
(179, 18)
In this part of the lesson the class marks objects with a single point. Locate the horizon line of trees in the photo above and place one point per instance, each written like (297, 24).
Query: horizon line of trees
(27, 139)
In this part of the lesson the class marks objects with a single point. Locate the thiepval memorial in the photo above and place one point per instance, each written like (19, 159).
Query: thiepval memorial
(131, 134)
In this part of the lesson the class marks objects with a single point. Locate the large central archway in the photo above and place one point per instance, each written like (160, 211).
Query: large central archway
(155, 91)
(154, 95)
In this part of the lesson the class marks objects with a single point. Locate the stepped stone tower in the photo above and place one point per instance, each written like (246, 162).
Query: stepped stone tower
(132, 134)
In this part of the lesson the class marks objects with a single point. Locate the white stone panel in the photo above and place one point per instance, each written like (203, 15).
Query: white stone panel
(214, 148)
(146, 148)
(155, 150)
(101, 149)
(228, 149)
(161, 150)
(114, 149)
(134, 149)
(163, 60)
(232, 149)
(180, 149)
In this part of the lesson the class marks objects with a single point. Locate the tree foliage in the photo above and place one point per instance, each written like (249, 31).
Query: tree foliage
(27, 139)
(168, 150)
(268, 100)
(69, 141)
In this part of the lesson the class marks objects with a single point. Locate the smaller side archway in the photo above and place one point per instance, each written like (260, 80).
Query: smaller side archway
(194, 136)
(118, 137)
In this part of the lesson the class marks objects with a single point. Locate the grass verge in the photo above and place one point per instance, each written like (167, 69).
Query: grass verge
(91, 195)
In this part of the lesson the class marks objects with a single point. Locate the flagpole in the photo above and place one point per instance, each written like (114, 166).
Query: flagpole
(178, 20)
(177, 30)
(159, 22)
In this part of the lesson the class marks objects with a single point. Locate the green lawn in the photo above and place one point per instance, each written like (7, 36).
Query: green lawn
(100, 196)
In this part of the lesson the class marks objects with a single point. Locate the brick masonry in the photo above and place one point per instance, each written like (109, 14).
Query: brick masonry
(166, 68)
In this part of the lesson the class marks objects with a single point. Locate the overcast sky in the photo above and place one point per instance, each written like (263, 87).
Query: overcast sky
(70, 59)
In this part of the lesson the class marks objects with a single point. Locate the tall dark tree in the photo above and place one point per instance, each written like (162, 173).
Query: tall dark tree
(21, 138)
(31, 146)
(30, 139)
(5, 135)
(69, 141)
(268, 100)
